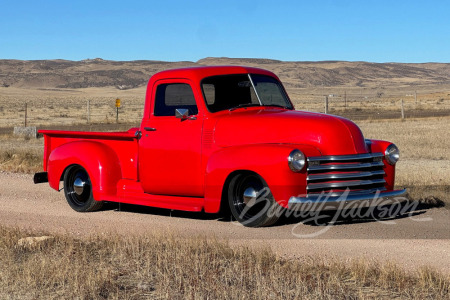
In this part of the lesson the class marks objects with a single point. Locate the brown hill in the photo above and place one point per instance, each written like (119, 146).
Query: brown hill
(61, 74)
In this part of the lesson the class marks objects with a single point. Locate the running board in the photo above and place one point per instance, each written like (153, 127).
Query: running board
(130, 192)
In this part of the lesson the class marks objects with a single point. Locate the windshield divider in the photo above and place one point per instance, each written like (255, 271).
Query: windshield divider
(254, 88)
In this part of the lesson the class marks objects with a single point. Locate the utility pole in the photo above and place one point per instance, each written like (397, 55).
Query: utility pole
(326, 104)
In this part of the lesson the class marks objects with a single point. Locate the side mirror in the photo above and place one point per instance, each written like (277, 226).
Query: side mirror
(182, 113)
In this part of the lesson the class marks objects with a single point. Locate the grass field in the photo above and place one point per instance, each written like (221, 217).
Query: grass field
(424, 166)
(46, 107)
(166, 266)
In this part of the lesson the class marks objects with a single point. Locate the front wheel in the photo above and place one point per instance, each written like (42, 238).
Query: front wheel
(251, 202)
(78, 190)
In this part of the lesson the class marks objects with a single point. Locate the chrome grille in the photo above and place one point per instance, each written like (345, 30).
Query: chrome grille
(360, 173)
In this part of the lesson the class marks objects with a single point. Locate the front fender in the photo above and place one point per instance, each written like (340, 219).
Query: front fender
(99, 160)
(270, 161)
(381, 146)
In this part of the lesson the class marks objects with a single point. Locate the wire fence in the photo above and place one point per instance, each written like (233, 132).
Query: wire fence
(356, 106)
(41, 113)
(375, 106)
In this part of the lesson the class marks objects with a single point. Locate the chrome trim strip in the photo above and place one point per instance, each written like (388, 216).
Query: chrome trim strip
(346, 166)
(324, 202)
(325, 185)
(337, 194)
(314, 177)
(346, 157)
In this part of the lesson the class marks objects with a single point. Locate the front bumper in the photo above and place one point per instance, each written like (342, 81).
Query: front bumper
(345, 201)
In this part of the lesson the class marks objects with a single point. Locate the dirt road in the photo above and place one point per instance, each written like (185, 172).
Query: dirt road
(420, 238)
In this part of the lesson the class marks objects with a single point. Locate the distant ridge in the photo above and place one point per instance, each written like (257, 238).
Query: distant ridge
(97, 72)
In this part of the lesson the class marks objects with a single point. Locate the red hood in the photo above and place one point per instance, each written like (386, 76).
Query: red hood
(331, 135)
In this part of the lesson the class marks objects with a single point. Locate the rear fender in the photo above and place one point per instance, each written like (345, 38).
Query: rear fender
(270, 161)
(99, 160)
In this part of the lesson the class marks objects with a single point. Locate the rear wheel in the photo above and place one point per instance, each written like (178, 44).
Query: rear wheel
(251, 202)
(78, 190)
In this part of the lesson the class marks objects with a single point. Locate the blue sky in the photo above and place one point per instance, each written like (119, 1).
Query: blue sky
(377, 31)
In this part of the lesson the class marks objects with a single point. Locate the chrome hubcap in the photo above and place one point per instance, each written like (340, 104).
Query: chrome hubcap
(78, 186)
(249, 194)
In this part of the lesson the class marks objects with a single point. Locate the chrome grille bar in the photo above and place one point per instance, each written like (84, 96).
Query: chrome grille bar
(337, 167)
(361, 192)
(346, 157)
(340, 184)
(337, 176)
(359, 173)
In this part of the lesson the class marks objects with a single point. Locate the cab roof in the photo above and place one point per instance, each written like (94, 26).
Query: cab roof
(199, 73)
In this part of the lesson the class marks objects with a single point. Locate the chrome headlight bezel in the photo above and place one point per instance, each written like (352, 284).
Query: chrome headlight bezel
(392, 154)
(296, 160)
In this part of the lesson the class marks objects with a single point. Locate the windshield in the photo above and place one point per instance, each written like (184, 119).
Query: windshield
(240, 90)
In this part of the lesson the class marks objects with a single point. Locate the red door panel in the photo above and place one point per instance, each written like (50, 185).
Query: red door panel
(170, 149)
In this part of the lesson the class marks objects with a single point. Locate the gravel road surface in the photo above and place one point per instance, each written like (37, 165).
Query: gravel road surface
(411, 240)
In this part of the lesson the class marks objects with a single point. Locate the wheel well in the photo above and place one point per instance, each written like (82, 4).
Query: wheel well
(64, 172)
(223, 201)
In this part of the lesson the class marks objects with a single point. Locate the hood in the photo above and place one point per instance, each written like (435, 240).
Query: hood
(331, 135)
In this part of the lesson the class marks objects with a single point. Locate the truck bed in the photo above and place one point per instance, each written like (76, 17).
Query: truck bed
(124, 144)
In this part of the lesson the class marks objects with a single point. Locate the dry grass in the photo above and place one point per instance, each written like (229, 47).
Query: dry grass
(69, 106)
(19, 154)
(373, 108)
(424, 166)
(165, 266)
(418, 139)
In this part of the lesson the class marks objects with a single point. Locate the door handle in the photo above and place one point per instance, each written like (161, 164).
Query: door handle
(149, 129)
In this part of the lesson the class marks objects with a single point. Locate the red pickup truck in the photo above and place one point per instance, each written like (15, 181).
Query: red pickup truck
(222, 138)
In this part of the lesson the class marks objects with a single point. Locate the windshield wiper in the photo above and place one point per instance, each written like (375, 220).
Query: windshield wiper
(244, 105)
(277, 105)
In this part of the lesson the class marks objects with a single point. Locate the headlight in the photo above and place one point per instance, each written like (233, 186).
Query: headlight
(296, 160)
(392, 154)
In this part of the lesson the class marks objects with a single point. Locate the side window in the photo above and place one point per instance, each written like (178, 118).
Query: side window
(174, 95)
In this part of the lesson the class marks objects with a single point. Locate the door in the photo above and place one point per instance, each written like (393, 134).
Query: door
(170, 147)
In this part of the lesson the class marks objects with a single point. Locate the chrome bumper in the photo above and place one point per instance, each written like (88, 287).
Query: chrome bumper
(345, 201)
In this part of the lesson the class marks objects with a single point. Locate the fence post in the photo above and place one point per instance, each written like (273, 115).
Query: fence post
(26, 113)
(415, 96)
(345, 99)
(403, 111)
(89, 111)
(326, 104)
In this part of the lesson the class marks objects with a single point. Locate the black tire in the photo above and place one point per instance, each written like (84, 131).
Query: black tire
(250, 201)
(78, 190)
